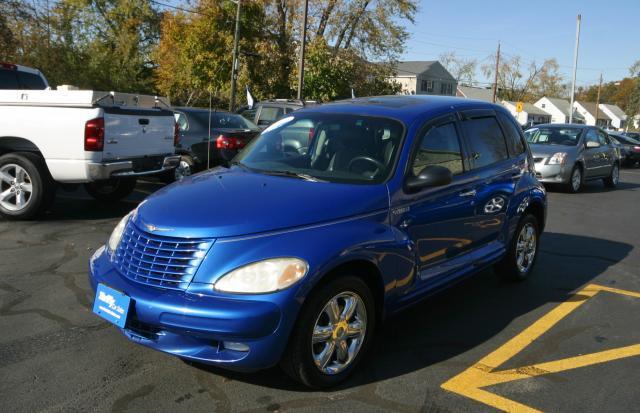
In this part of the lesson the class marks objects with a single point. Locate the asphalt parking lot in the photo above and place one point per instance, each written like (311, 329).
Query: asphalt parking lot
(567, 339)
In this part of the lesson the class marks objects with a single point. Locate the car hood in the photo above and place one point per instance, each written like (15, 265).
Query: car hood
(235, 202)
(543, 151)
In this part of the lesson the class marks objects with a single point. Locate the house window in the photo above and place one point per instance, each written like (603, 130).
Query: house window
(543, 105)
(427, 86)
(446, 88)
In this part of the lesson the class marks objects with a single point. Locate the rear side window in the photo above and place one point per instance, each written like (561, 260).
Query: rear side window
(8, 79)
(514, 140)
(486, 142)
(439, 146)
(31, 81)
(269, 114)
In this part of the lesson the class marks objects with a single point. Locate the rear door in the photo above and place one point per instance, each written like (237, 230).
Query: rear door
(133, 133)
(609, 153)
(495, 174)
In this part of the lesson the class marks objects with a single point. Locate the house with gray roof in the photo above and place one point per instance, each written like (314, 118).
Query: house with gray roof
(592, 114)
(617, 115)
(476, 93)
(424, 78)
(530, 115)
(558, 109)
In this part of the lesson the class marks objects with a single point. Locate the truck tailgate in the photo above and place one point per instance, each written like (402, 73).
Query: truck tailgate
(132, 133)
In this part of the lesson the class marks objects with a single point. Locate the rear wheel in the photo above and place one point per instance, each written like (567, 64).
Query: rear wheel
(26, 188)
(575, 180)
(523, 251)
(332, 334)
(184, 169)
(612, 180)
(111, 190)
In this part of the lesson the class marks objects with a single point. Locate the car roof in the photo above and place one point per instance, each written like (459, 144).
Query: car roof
(406, 108)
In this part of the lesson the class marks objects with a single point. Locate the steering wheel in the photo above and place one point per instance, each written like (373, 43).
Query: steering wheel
(379, 165)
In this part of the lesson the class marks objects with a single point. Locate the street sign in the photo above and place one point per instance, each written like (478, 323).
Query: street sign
(519, 106)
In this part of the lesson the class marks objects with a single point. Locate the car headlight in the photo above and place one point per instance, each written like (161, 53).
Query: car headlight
(558, 158)
(116, 235)
(265, 276)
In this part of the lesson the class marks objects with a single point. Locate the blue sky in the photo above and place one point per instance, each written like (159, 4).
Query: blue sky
(535, 30)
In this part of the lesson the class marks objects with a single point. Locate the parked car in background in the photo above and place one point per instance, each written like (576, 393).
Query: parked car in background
(634, 135)
(570, 154)
(629, 149)
(266, 112)
(53, 138)
(208, 139)
(395, 198)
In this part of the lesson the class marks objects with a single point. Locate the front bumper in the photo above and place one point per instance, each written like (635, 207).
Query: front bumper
(196, 326)
(559, 174)
(132, 167)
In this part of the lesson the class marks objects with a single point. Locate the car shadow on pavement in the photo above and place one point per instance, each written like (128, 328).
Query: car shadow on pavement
(468, 314)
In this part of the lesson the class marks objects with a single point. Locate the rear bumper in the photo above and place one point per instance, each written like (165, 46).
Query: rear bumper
(200, 327)
(132, 167)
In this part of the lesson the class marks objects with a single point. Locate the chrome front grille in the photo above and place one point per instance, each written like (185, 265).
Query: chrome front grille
(165, 262)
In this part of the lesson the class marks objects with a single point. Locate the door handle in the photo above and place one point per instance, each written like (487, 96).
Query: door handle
(473, 192)
(405, 223)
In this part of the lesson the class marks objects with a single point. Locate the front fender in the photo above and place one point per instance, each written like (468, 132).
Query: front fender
(324, 247)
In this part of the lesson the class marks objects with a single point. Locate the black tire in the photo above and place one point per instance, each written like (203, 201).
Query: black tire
(297, 361)
(43, 187)
(508, 268)
(569, 186)
(612, 180)
(173, 175)
(111, 190)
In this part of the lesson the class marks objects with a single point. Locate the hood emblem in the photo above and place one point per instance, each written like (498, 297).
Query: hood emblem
(153, 228)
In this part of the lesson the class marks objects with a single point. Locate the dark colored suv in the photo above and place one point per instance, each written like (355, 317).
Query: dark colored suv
(266, 112)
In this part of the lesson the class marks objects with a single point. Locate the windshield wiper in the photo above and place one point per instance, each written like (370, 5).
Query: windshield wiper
(241, 165)
(292, 174)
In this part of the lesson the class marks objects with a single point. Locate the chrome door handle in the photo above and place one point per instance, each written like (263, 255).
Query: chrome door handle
(469, 193)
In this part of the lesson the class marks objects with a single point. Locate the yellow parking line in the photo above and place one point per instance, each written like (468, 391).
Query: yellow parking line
(470, 382)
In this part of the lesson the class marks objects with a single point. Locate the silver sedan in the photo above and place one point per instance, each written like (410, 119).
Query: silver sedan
(570, 154)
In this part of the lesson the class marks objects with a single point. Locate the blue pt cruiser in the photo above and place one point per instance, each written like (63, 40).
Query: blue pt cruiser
(332, 219)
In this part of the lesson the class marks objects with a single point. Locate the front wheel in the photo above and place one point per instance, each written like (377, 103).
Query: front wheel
(111, 190)
(522, 253)
(612, 180)
(575, 180)
(333, 331)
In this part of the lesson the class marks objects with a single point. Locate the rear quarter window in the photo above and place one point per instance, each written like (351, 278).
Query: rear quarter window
(513, 134)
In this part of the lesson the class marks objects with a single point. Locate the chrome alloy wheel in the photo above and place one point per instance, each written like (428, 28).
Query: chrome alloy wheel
(526, 247)
(182, 170)
(339, 333)
(576, 179)
(16, 187)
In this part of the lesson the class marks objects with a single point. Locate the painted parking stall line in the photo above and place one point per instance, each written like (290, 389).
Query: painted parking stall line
(484, 373)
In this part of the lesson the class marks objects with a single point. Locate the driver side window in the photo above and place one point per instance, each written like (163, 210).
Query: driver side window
(439, 146)
(592, 136)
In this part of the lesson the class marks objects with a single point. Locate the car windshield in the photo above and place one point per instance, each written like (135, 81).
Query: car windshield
(553, 136)
(222, 120)
(326, 147)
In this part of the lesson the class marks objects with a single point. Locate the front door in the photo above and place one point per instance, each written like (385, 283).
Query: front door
(594, 158)
(436, 220)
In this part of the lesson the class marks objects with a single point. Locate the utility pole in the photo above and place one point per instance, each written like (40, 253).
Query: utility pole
(575, 68)
(234, 63)
(302, 47)
(598, 99)
(495, 80)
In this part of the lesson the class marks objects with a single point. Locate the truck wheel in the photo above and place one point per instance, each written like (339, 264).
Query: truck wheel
(184, 169)
(111, 190)
(333, 331)
(523, 251)
(26, 188)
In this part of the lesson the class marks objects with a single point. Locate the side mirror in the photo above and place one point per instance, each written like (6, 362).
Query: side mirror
(433, 175)
(592, 145)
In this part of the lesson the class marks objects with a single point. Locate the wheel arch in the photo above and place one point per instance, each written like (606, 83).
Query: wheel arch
(9, 144)
(536, 208)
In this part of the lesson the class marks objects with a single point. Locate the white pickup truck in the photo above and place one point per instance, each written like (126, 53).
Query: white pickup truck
(51, 138)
